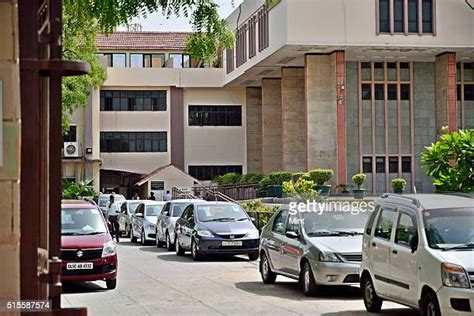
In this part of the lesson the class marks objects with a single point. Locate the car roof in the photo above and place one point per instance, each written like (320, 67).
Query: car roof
(147, 202)
(431, 201)
(187, 201)
(76, 203)
(216, 202)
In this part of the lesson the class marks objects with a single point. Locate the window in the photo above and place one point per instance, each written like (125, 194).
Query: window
(180, 60)
(392, 92)
(115, 60)
(293, 224)
(406, 164)
(123, 142)
(385, 224)
(380, 165)
(211, 172)
(71, 135)
(201, 115)
(147, 60)
(370, 223)
(411, 15)
(279, 222)
(136, 60)
(367, 165)
(393, 165)
(157, 185)
(124, 100)
(157, 60)
(406, 229)
(366, 92)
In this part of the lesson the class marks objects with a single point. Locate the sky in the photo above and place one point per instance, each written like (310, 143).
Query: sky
(157, 22)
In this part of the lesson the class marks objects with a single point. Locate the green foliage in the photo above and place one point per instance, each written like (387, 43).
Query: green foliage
(289, 188)
(76, 190)
(262, 213)
(251, 178)
(359, 179)
(278, 177)
(399, 184)
(229, 178)
(303, 188)
(450, 162)
(321, 176)
(297, 175)
(264, 183)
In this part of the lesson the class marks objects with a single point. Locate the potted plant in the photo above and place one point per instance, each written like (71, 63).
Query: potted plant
(320, 177)
(359, 180)
(344, 188)
(398, 185)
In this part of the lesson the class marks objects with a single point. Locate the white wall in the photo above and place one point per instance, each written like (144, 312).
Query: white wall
(215, 145)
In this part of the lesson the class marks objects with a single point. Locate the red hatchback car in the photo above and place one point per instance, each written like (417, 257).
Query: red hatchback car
(87, 248)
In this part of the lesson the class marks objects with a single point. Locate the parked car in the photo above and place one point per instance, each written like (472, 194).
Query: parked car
(167, 220)
(209, 228)
(144, 221)
(87, 248)
(127, 209)
(104, 199)
(418, 250)
(316, 248)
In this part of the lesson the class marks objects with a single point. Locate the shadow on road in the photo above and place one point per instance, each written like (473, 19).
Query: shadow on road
(386, 312)
(82, 287)
(292, 290)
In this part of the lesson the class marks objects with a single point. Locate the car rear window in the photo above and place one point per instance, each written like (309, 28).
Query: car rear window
(82, 221)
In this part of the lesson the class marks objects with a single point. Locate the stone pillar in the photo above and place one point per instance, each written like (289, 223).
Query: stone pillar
(254, 129)
(293, 119)
(271, 125)
(445, 82)
(10, 166)
(321, 109)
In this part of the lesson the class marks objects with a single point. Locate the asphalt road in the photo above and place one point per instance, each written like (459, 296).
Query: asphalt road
(157, 282)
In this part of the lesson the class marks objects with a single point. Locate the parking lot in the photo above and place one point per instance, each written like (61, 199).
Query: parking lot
(155, 281)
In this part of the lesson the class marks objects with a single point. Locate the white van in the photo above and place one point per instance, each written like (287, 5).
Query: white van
(418, 250)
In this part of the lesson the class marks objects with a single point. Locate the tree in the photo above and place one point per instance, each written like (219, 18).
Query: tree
(450, 161)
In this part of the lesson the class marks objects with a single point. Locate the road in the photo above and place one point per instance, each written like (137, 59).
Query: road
(157, 282)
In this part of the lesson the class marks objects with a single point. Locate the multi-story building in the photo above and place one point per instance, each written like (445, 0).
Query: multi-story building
(355, 86)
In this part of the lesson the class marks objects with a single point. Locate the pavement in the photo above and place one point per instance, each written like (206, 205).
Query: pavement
(154, 281)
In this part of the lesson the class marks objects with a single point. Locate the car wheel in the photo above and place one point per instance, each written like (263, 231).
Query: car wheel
(169, 245)
(268, 276)
(127, 230)
(372, 302)
(132, 236)
(159, 243)
(310, 288)
(179, 250)
(194, 251)
(430, 305)
(253, 256)
(143, 240)
(111, 284)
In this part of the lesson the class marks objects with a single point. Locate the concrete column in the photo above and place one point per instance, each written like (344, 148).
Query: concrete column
(271, 125)
(321, 107)
(293, 119)
(254, 129)
(445, 82)
(10, 134)
(177, 127)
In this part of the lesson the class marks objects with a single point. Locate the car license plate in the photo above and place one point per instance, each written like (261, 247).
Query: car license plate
(231, 243)
(79, 266)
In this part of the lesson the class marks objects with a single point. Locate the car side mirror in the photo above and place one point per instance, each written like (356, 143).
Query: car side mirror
(166, 213)
(291, 234)
(253, 219)
(139, 214)
(414, 243)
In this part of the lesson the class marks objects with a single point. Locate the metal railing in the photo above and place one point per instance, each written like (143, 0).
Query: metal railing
(235, 192)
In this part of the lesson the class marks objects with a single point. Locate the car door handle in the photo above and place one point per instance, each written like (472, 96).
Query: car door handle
(394, 251)
(374, 244)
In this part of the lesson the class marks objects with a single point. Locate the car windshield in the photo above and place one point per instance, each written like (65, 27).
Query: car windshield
(334, 223)
(220, 212)
(448, 228)
(82, 221)
(177, 209)
(104, 199)
(153, 210)
(132, 207)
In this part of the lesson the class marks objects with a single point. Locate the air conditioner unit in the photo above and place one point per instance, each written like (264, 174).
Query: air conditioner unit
(71, 149)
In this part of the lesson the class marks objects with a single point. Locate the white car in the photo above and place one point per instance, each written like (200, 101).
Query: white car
(144, 221)
(418, 250)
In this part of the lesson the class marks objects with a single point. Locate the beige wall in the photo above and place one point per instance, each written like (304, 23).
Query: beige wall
(271, 125)
(254, 130)
(215, 145)
(172, 178)
(10, 169)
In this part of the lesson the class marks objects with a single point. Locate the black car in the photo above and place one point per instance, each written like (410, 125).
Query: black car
(208, 228)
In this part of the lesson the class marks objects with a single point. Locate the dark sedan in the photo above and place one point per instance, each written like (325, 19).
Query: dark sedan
(208, 228)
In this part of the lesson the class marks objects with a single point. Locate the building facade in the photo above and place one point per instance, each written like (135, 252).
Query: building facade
(355, 86)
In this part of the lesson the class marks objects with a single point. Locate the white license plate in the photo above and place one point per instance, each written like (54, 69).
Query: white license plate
(79, 266)
(231, 243)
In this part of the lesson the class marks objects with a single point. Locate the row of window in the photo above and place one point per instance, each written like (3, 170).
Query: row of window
(405, 223)
(379, 91)
(468, 92)
(385, 71)
(124, 142)
(211, 172)
(416, 17)
(215, 115)
(137, 60)
(124, 100)
(393, 164)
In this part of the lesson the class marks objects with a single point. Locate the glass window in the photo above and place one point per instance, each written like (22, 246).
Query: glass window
(71, 135)
(124, 100)
(367, 165)
(177, 60)
(366, 91)
(119, 61)
(370, 223)
(379, 92)
(406, 164)
(427, 11)
(177, 209)
(385, 224)
(334, 222)
(82, 221)
(201, 115)
(406, 229)
(413, 16)
(132, 141)
(384, 16)
(393, 164)
(405, 92)
(157, 60)
(153, 209)
(211, 172)
(392, 92)
(220, 213)
(468, 92)
(380, 165)
(398, 23)
(279, 222)
(136, 60)
(293, 224)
